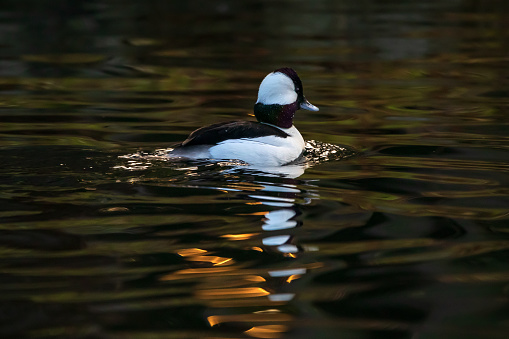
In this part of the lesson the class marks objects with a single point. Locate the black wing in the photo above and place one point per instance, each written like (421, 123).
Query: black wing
(216, 133)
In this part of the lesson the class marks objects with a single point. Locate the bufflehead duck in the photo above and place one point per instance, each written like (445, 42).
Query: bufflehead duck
(272, 141)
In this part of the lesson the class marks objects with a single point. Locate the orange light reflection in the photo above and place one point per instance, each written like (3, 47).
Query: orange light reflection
(228, 261)
(190, 251)
(196, 272)
(255, 213)
(239, 236)
(249, 302)
(250, 318)
(293, 277)
(212, 259)
(267, 331)
(254, 278)
(232, 293)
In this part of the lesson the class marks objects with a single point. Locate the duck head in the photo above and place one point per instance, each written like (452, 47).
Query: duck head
(279, 97)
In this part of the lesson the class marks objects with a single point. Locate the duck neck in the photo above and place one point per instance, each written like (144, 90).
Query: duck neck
(278, 115)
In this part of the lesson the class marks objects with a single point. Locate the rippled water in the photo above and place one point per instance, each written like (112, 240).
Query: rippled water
(101, 237)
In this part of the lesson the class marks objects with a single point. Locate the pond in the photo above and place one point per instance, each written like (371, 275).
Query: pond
(102, 237)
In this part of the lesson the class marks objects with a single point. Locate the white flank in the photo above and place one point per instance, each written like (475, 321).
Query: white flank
(267, 151)
(262, 151)
(277, 88)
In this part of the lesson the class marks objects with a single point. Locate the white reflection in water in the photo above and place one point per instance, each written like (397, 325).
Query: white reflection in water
(281, 296)
(287, 272)
(283, 196)
(276, 240)
(279, 220)
(288, 248)
(283, 200)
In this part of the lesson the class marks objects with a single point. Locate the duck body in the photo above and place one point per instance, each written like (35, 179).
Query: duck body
(272, 141)
(252, 142)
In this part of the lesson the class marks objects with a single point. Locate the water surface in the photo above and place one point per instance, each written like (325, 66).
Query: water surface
(406, 239)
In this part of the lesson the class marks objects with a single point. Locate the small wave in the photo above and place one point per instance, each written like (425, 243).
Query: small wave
(315, 152)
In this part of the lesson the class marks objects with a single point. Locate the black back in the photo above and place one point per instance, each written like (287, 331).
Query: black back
(216, 133)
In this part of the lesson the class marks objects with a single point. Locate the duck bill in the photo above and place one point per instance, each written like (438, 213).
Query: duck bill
(309, 106)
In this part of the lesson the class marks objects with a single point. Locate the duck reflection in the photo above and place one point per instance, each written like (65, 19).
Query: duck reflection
(248, 272)
(281, 219)
(252, 297)
(278, 203)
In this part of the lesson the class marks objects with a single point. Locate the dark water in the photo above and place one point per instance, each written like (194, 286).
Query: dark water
(407, 239)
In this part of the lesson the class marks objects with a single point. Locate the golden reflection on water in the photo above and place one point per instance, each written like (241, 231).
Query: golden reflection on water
(267, 331)
(238, 237)
(232, 293)
(231, 285)
(196, 254)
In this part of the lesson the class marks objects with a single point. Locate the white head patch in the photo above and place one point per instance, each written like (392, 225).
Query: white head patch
(277, 88)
